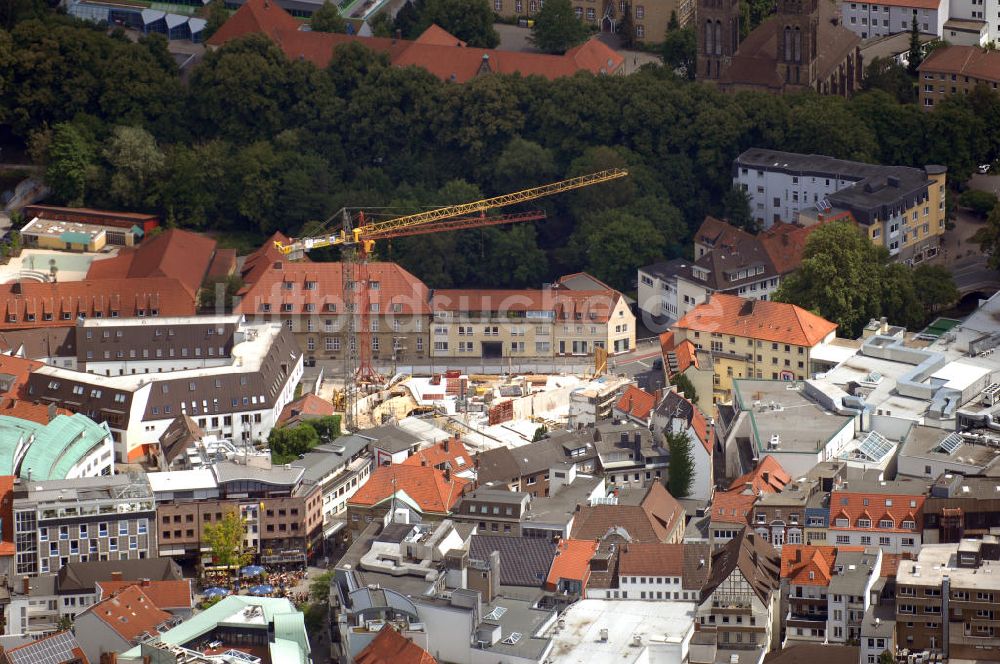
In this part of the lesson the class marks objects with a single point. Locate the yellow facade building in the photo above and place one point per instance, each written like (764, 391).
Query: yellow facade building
(752, 339)
(549, 322)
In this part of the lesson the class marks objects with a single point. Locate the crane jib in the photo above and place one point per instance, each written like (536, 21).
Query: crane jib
(408, 224)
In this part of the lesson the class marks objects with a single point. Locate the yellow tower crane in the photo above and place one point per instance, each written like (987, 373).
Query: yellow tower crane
(359, 239)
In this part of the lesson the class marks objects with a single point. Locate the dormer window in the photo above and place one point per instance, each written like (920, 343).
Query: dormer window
(864, 523)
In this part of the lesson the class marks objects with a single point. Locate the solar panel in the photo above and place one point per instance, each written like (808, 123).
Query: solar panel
(951, 443)
(52, 650)
(875, 447)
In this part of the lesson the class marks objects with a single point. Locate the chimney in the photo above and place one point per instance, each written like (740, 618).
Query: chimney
(399, 33)
(116, 576)
(26, 588)
(144, 583)
(445, 444)
(52, 412)
(798, 555)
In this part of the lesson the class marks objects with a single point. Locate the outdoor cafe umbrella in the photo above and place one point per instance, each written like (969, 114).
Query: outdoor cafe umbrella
(215, 592)
(252, 570)
(263, 589)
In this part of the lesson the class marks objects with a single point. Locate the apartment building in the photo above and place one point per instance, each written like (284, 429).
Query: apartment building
(979, 17)
(884, 514)
(739, 607)
(753, 339)
(898, 207)
(956, 70)
(946, 600)
(662, 571)
(960, 507)
(99, 518)
(240, 399)
(314, 300)
(880, 19)
(554, 321)
(829, 591)
(37, 604)
(339, 469)
(180, 525)
(423, 490)
(129, 346)
(726, 260)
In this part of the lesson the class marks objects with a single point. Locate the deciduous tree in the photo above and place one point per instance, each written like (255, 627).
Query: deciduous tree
(935, 286)
(839, 278)
(469, 20)
(556, 28)
(327, 19)
(225, 539)
(680, 474)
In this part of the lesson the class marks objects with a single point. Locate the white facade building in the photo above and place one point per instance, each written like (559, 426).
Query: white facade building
(240, 400)
(869, 20)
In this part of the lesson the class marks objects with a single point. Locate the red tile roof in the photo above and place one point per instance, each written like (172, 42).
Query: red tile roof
(757, 319)
(784, 244)
(175, 254)
(651, 559)
(27, 410)
(435, 51)
(636, 403)
(701, 427)
(130, 613)
(684, 353)
(166, 595)
(890, 565)
(20, 368)
(271, 284)
(965, 60)
(456, 456)
(732, 507)
(805, 565)
(32, 304)
(391, 647)
(572, 562)
(437, 35)
(895, 507)
(424, 485)
(264, 258)
(308, 405)
(767, 477)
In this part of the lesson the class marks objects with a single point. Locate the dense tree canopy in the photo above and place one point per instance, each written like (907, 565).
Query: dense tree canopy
(327, 19)
(848, 280)
(255, 142)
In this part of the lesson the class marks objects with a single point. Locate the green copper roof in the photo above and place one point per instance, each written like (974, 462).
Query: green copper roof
(55, 449)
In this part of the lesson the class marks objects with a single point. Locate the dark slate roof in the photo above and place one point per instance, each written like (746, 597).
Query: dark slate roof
(758, 562)
(524, 561)
(391, 438)
(181, 434)
(83, 577)
(875, 188)
(199, 338)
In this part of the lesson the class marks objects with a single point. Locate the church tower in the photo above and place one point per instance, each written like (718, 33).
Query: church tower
(797, 24)
(717, 26)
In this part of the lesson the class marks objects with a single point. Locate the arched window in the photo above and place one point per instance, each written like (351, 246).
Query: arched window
(709, 38)
(798, 45)
(787, 43)
(718, 37)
